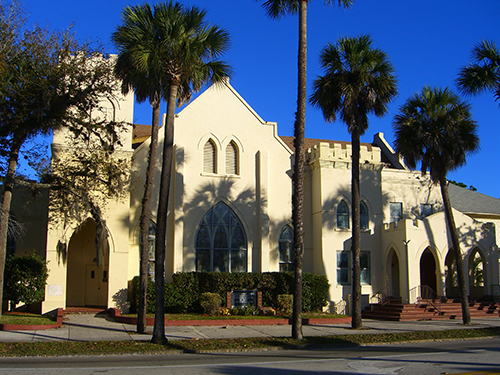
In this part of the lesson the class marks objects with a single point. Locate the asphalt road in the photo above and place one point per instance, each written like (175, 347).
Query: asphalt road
(447, 357)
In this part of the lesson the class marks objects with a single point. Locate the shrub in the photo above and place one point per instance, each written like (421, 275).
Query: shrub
(210, 303)
(285, 303)
(183, 294)
(25, 278)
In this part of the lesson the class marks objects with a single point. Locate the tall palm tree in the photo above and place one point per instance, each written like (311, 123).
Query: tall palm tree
(140, 70)
(484, 72)
(435, 129)
(189, 54)
(277, 9)
(358, 81)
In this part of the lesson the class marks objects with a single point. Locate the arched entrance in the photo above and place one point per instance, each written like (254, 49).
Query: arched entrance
(86, 283)
(477, 274)
(394, 277)
(428, 275)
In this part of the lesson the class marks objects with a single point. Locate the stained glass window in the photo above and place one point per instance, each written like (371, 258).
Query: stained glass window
(221, 244)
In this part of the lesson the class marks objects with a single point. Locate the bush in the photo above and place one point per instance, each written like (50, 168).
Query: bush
(183, 294)
(285, 303)
(25, 279)
(210, 303)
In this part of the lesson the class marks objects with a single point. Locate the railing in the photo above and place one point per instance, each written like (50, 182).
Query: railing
(380, 298)
(425, 294)
(339, 307)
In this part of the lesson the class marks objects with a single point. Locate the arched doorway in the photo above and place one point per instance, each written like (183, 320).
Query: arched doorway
(394, 277)
(428, 275)
(476, 274)
(86, 283)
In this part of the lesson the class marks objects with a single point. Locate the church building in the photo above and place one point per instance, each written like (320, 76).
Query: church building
(230, 211)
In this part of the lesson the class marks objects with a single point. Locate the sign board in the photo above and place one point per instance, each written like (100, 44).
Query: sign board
(242, 298)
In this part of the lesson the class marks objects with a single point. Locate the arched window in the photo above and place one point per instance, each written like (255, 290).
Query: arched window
(363, 216)
(232, 160)
(221, 244)
(151, 249)
(210, 157)
(286, 249)
(342, 215)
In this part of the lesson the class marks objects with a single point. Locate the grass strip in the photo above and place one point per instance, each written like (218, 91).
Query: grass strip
(25, 319)
(194, 316)
(58, 348)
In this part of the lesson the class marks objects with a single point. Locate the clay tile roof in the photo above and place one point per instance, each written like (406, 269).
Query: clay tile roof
(140, 131)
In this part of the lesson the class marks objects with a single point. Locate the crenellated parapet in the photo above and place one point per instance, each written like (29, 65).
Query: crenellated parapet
(339, 155)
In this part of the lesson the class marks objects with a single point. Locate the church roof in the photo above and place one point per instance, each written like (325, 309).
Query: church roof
(472, 202)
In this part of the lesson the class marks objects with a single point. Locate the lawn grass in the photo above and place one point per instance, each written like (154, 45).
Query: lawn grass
(193, 316)
(190, 346)
(25, 319)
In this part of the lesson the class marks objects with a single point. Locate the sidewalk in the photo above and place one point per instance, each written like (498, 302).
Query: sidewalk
(100, 327)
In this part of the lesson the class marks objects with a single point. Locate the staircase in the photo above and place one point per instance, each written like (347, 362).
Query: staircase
(429, 310)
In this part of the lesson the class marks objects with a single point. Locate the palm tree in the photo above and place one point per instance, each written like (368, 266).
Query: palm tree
(358, 81)
(277, 9)
(187, 58)
(140, 70)
(435, 129)
(484, 72)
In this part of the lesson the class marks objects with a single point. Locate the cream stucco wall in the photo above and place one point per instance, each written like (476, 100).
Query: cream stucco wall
(260, 194)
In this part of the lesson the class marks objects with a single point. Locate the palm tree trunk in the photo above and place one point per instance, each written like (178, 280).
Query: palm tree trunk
(456, 248)
(298, 175)
(5, 210)
(146, 218)
(161, 237)
(356, 236)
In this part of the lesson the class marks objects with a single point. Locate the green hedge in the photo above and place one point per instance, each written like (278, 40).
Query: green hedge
(25, 278)
(183, 294)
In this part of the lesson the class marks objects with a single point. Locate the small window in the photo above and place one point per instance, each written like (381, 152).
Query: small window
(151, 249)
(396, 212)
(343, 268)
(286, 249)
(342, 215)
(363, 216)
(425, 210)
(364, 262)
(210, 157)
(232, 166)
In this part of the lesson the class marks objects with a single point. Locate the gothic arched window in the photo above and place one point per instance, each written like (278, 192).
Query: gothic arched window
(232, 159)
(286, 249)
(342, 215)
(210, 157)
(221, 244)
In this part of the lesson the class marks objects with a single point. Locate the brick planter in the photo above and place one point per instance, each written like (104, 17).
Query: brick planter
(115, 314)
(34, 327)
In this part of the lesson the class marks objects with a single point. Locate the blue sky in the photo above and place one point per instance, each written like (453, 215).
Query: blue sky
(428, 42)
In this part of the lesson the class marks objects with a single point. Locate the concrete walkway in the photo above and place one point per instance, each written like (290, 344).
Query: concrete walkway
(100, 327)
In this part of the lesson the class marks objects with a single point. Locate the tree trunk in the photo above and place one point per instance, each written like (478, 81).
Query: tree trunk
(298, 175)
(356, 236)
(161, 236)
(464, 300)
(146, 218)
(5, 211)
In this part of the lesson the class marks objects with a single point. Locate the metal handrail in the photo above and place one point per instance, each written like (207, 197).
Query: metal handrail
(425, 292)
(381, 296)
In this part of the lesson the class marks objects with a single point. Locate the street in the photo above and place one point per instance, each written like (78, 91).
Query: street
(429, 358)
